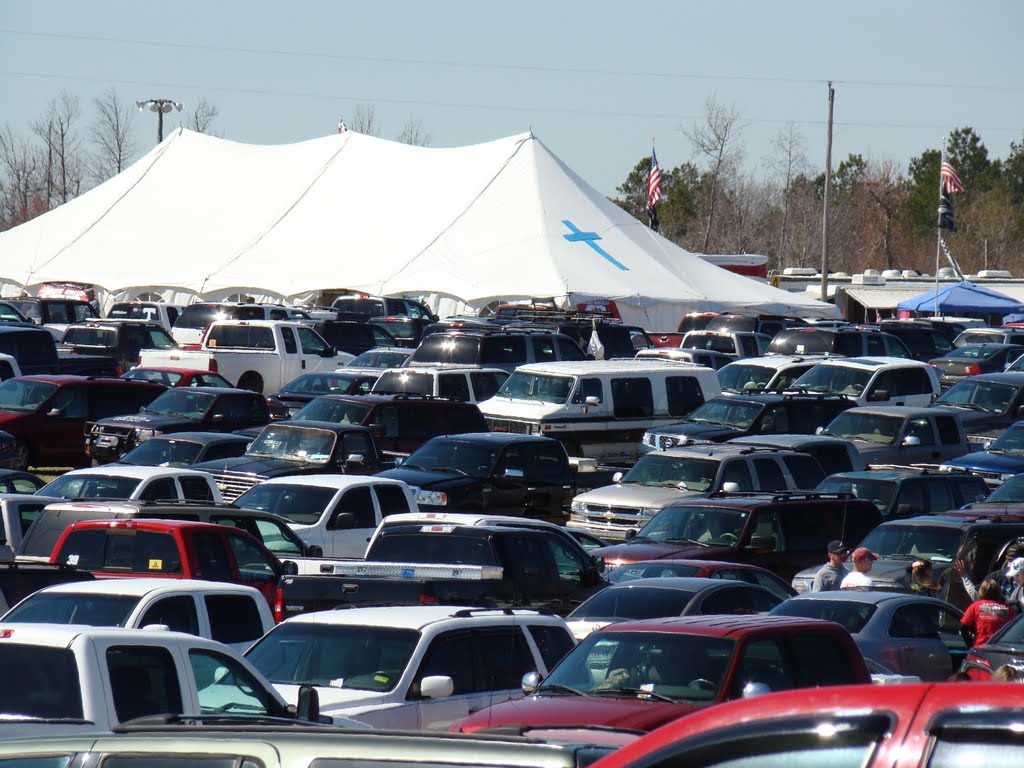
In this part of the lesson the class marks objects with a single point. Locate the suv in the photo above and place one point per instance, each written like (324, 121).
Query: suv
(468, 384)
(908, 491)
(833, 453)
(976, 538)
(705, 357)
(898, 434)
(120, 339)
(989, 336)
(157, 312)
(922, 340)
(182, 409)
(662, 478)
(727, 416)
(736, 343)
(847, 342)
(1000, 460)
(191, 323)
(781, 532)
(353, 337)
(766, 324)
(376, 306)
(47, 414)
(501, 348)
(773, 373)
(55, 314)
(874, 381)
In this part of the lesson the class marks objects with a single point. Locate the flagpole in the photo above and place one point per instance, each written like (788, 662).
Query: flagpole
(938, 228)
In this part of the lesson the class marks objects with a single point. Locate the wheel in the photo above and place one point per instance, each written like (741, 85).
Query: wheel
(252, 382)
(703, 684)
(22, 455)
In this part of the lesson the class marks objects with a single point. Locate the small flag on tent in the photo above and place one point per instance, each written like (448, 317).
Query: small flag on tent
(653, 190)
(341, 124)
(950, 180)
(952, 262)
(595, 347)
(946, 220)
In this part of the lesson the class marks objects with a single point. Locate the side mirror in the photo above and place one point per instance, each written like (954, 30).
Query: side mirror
(730, 487)
(761, 542)
(819, 430)
(631, 533)
(904, 510)
(341, 521)
(399, 460)
(1020, 412)
(308, 706)
(530, 682)
(354, 460)
(436, 686)
(910, 441)
(378, 430)
(751, 690)
(328, 352)
(217, 418)
(598, 563)
(53, 412)
(616, 477)
(313, 550)
(289, 568)
(512, 472)
(986, 445)
(878, 395)
(592, 400)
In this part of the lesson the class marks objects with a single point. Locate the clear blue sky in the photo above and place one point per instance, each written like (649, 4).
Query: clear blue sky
(594, 79)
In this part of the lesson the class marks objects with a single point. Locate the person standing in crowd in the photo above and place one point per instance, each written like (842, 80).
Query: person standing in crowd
(922, 579)
(986, 615)
(1005, 582)
(863, 558)
(831, 575)
(1015, 574)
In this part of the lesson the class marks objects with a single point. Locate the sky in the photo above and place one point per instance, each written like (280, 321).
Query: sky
(595, 80)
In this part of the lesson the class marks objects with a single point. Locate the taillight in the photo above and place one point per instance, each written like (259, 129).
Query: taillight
(190, 347)
(972, 370)
(138, 360)
(118, 370)
(214, 368)
(426, 599)
(278, 607)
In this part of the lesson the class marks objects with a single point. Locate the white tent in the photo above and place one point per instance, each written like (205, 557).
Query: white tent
(203, 216)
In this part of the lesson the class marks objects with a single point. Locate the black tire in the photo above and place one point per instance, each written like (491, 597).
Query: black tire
(252, 382)
(22, 456)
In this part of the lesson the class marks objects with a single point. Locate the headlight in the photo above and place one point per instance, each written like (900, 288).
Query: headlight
(578, 517)
(1007, 476)
(432, 498)
(649, 440)
(578, 506)
(142, 435)
(802, 586)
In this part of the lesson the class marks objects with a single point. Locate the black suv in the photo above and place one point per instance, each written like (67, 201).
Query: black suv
(182, 409)
(121, 339)
(735, 415)
(909, 491)
(503, 349)
(378, 306)
(922, 340)
(846, 342)
(767, 324)
(352, 336)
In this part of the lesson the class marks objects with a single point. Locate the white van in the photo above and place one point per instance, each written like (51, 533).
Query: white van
(874, 380)
(469, 384)
(599, 409)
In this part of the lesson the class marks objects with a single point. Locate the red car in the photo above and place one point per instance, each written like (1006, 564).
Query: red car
(177, 377)
(643, 674)
(940, 725)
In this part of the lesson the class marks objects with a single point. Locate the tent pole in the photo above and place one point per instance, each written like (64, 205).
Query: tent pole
(938, 229)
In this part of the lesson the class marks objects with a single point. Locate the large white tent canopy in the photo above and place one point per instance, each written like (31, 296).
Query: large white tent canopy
(202, 216)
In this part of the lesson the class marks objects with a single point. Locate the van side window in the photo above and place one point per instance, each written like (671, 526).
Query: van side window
(453, 386)
(806, 471)
(543, 348)
(736, 471)
(588, 388)
(683, 394)
(769, 475)
(196, 488)
(632, 398)
(485, 385)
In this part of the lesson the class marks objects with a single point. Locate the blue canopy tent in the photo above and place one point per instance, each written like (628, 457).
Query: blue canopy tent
(962, 297)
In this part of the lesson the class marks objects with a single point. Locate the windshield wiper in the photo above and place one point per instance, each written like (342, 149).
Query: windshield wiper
(559, 688)
(968, 406)
(450, 469)
(677, 539)
(635, 692)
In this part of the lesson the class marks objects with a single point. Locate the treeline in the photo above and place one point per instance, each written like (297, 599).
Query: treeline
(882, 215)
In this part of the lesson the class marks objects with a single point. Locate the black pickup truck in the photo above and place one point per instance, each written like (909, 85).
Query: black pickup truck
(488, 566)
(36, 352)
(498, 473)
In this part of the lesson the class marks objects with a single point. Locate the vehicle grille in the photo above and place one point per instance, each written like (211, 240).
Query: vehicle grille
(667, 441)
(513, 427)
(111, 429)
(234, 484)
(628, 517)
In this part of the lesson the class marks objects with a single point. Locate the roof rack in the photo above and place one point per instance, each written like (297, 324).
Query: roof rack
(785, 495)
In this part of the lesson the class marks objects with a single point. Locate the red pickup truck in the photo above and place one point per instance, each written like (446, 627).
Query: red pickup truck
(173, 549)
(643, 674)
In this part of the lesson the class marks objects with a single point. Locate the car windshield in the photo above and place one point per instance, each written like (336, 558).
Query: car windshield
(24, 396)
(532, 386)
(1011, 490)
(163, 452)
(700, 340)
(851, 614)
(72, 608)
(323, 384)
(405, 382)
(182, 402)
(294, 443)
(633, 603)
(702, 525)
(1011, 441)
(673, 664)
(870, 427)
(87, 336)
(978, 395)
(378, 359)
(91, 486)
(727, 411)
(912, 542)
(676, 471)
(333, 411)
(836, 379)
(459, 457)
(879, 492)
(649, 570)
(743, 377)
(301, 504)
(39, 682)
(334, 655)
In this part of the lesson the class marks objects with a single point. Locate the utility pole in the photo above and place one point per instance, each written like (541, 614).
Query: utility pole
(159, 106)
(828, 189)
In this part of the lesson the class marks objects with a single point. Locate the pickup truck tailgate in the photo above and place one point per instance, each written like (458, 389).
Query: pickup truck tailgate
(412, 571)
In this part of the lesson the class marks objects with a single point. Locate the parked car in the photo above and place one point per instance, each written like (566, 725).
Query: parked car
(35, 351)
(127, 482)
(232, 614)
(921, 338)
(664, 597)
(833, 453)
(381, 358)
(643, 674)
(352, 336)
(845, 342)
(375, 306)
(897, 434)
(970, 336)
(772, 373)
(47, 415)
(973, 359)
(287, 401)
(177, 377)
(54, 314)
(909, 634)
(181, 409)
(874, 380)
(1004, 647)
(194, 319)
(405, 331)
(908, 491)
(737, 344)
(707, 569)
(999, 461)
(471, 385)
(769, 325)
(19, 481)
(1002, 498)
(122, 340)
(985, 403)
(158, 312)
(503, 349)
(183, 449)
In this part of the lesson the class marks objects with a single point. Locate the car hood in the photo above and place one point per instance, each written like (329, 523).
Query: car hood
(421, 478)
(697, 431)
(152, 421)
(976, 420)
(987, 461)
(257, 465)
(632, 495)
(640, 549)
(616, 712)
(333, 699)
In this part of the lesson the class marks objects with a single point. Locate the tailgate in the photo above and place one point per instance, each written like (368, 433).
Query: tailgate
(176, 358)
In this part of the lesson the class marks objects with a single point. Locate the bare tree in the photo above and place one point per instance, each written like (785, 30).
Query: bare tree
(717, 141)
(201, 118)
(790, 159)
(365, 121)
(413, 134)
(111, 135)
(888, 191)
(64, 162)
(22, 187)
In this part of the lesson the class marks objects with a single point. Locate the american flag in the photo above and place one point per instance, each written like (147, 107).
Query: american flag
(341, 125)
(950, 178)
(653, 182)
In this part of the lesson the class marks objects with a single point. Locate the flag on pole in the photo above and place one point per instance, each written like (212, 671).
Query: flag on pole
(653, 190)
(946, 219)
(950, 180)
(341, 124)
(952, 262)
(595, 347)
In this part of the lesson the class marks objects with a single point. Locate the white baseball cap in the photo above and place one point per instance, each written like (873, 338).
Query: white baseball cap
(1015, 567)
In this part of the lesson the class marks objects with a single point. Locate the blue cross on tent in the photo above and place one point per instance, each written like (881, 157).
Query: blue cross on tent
(579, 236)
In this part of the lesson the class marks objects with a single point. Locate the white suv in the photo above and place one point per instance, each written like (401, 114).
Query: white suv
(874, 380)
(773, 373)
(469, 384)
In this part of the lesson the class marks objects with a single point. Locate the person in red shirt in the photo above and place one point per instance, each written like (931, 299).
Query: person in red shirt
(986, 615)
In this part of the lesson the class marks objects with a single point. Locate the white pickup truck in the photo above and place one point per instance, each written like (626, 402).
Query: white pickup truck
(260, 355)
(68, 679)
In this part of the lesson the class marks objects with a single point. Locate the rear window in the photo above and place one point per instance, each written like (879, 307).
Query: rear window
(433, 548)
(405, 382)
(439, 348)
(39, 681)
(201, 315)
(241, 337)
(802, 342)
(133, 551)
(363, 306)
(852, 615)
(91, 337)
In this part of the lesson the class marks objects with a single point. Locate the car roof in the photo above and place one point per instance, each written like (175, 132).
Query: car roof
(598, 367)
(892, 474)
(141, 586)
(204, 437)
(63, 635)
(875, 362)
(1006, 377)
(710, 564)
(714, 450)
(406, 617)
(780, 361)
(129, 470)
(679, 583)
(330, 426)
(902, 411)
(856, 596)
(469, 518)
(759, 396)
(153, 524)
(720, 626)
(500, 438)
(758, 498)
(60, 379)
(212, 390)
(437, 370)
(789, 440)
(379, 398)
(338, 482)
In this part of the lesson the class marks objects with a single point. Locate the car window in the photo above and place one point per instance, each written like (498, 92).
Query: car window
(311, 343)
(683, 393)
(71, 402)
(568, 349)
(358, 502)
(226, 450)
(178, 613)
(940, 496)
(632, 397)
(749, 346)
(452, 654)
(763, 661)
(832, 663)
(226, 687)
(568, 561)
(949, 434)
(588, 388)
(736, 471)
(767, 531)
(196, 488)
(543, 348)
(290, 347)
(806, 472)
(211, 557)
(922, 430)
(253, 563)
(733, 600)
(160, 489)
(552, 642)
(917, 621)
(503, 350)
(392, 499)
(508, 644)
(358, 444)
(485, 385)
(234, 618)
(143, 681)
(453, 386)
(769, 475)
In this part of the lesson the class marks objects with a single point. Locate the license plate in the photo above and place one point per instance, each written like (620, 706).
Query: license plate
(499, 428)
(106, 441)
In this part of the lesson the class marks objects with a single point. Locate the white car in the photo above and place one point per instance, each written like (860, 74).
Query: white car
(874, 380)
(129, 482)
(233, 614)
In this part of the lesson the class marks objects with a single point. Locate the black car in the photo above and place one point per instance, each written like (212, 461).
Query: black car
(354, 337)
(182, 409)
(183, 449)
(922, 340)
(735, 415)
(986, 403)
(292, 396)
(848, 342)
(19, 481)
(973, 359)
(908, 491)
(120, 339)
(405, 331)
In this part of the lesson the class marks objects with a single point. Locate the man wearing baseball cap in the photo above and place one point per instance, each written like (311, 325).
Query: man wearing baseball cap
(1016, 574)
(863, 558)
(831, 575)
(1001, 575)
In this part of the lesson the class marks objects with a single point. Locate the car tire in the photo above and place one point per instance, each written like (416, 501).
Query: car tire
(252, 382)
(22, 456)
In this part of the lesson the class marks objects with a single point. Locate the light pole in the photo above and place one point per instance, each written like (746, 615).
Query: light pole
(159, 106)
